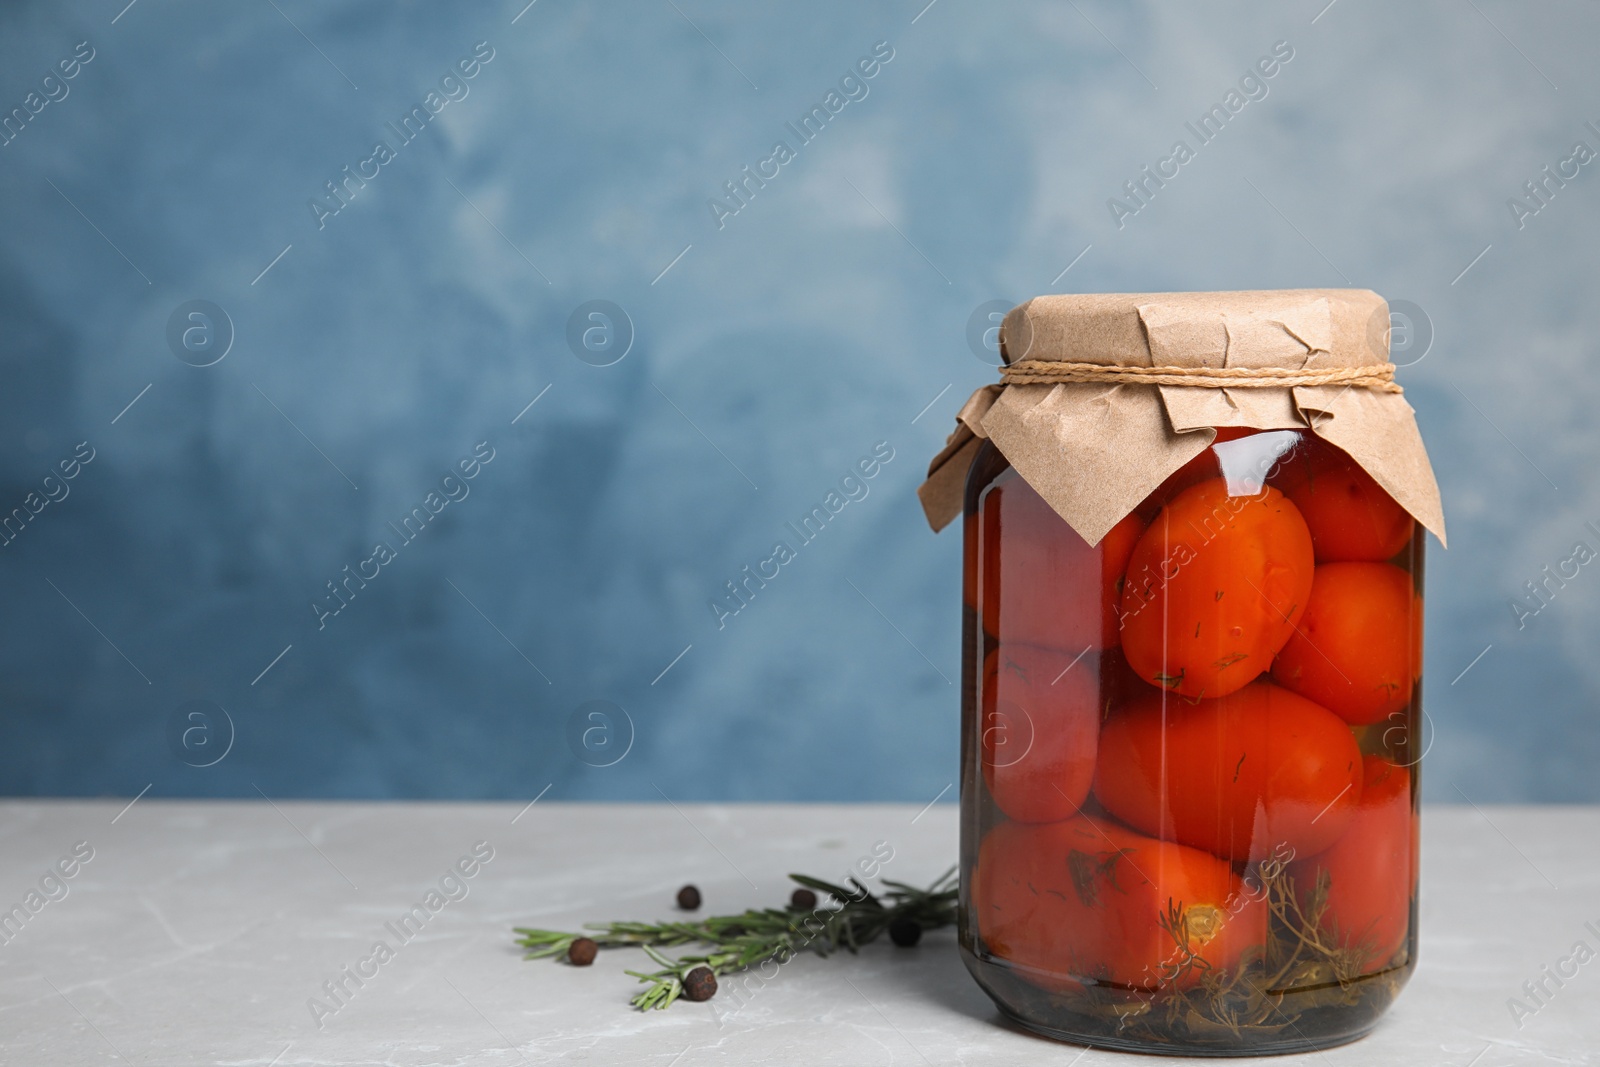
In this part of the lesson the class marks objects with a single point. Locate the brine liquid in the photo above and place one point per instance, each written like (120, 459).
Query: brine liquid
(1190, 754)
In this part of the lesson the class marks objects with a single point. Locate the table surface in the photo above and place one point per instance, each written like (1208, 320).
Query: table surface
(201, 932)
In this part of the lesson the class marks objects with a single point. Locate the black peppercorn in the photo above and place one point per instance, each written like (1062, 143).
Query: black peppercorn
(905, 932)
(700, 984)
(803, 900)
(581, 952)
(689, 898)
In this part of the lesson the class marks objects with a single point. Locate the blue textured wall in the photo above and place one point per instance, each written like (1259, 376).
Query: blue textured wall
(771, 350)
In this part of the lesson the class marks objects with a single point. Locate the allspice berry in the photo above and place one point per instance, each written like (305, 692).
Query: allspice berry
(581, 952)
(905, 932)
(700, 984)
(689, 898)
(803, 900)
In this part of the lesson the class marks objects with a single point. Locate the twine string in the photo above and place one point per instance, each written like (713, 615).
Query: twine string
(1378, 376)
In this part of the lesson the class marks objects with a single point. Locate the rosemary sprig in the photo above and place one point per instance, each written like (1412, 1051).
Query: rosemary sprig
(852, 917)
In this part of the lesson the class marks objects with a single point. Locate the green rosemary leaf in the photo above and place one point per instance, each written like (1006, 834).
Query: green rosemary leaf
(837, 892)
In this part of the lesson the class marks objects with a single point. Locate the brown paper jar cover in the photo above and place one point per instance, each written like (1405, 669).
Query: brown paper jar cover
(1093, 451)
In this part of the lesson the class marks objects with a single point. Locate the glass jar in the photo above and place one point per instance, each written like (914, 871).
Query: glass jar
(1190, 752)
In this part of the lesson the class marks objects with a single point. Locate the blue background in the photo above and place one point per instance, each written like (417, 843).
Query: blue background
(829, 314)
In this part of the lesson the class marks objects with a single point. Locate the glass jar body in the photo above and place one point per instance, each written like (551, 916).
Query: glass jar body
(1190, 754)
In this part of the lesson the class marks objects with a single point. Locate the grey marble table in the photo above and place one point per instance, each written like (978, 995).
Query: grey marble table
(207, 933)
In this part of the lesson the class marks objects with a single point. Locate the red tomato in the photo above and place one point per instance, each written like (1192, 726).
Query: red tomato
(1214, 588)
(1350, 516)
(1372, 869)
(1238, 776)
(1084, 900)
(1041, 583)
(1041, 725)
(1358, 650)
